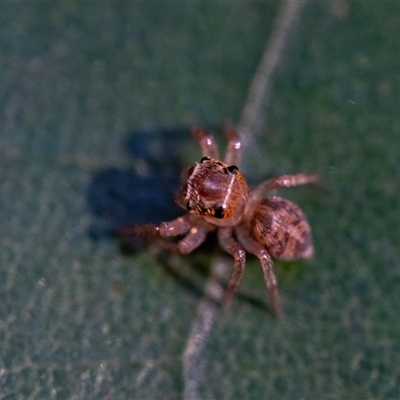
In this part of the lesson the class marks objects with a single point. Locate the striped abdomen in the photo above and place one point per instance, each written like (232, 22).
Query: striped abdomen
(281, 227)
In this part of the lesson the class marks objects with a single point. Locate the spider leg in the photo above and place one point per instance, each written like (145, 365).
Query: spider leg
(270, 279)
(178, 226)
(266, 263)
(288, 181)
(195, 237)
(231, 246)
(258, 193)
(207, 143)
(194, 227)
(234, 147)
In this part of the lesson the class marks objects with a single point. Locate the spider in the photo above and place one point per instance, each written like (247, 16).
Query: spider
(217, 197)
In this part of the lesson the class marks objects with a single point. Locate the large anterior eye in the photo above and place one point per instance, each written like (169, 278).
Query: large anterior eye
(232, 168)
(219, 212)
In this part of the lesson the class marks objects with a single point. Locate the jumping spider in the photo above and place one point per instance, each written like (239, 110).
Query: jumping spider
(217, 197)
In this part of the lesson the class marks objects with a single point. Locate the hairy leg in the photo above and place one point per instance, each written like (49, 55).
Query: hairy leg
(207, 143)
(231, 246)
(194, 228)
(196, 236)
(178, 226)
(289, 181)
(234, 147)
(190, 242)
(259, 192)
(266, 263)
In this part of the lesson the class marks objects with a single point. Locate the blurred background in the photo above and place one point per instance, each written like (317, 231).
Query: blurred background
(96, 101)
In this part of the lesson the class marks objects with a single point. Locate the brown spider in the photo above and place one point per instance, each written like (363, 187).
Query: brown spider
(217, 197)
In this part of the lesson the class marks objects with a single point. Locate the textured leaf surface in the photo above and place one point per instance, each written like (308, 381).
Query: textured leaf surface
(79, 319)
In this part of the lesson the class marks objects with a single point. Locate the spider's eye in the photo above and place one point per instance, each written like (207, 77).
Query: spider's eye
(232, 168)
(219, 212)
(205, 159)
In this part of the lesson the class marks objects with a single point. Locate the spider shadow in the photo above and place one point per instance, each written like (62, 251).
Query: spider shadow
(144, 194)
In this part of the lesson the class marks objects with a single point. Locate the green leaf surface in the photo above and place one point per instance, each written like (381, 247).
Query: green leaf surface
(79, 319)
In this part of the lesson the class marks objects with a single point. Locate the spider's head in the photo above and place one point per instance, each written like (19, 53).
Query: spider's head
(216, 191)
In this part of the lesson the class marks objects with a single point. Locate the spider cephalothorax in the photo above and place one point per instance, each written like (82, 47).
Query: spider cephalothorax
(217, 197)
(202, 192)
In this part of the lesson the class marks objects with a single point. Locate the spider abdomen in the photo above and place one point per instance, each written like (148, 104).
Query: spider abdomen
(282, 229)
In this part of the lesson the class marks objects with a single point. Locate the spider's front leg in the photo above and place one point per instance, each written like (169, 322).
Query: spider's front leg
(231, 246)
(193, 227)
(234, 147)
(178, 226)
(209, 147)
